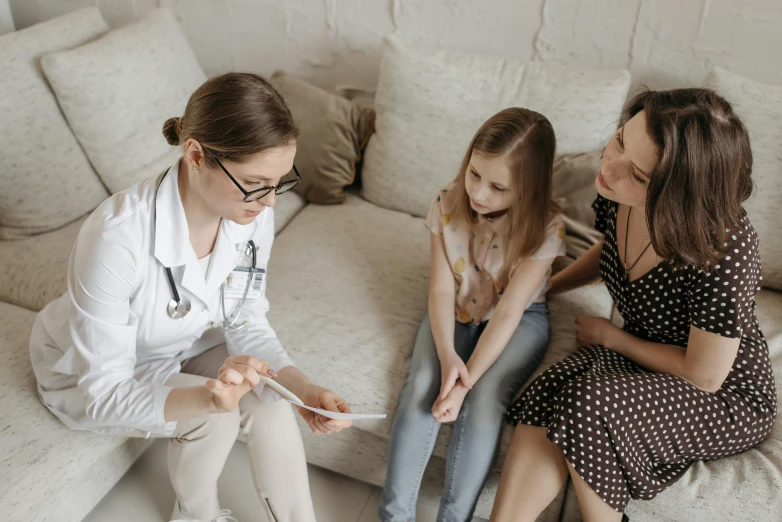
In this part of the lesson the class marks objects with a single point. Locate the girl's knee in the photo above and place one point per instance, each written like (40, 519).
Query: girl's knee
(484, 405)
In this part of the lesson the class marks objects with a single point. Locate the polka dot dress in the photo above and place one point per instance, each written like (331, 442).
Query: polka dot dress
(631, 433)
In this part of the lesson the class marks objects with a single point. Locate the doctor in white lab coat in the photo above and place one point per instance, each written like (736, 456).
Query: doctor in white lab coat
(110, 358)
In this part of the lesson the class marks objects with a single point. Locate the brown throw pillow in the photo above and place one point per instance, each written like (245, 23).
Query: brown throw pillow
(574, 190)
(333, 134)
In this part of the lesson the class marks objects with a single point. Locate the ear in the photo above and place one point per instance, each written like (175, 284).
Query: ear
(194, 153)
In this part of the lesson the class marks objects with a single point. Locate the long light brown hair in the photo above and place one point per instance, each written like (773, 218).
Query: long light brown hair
(703, 175)
(526, 140)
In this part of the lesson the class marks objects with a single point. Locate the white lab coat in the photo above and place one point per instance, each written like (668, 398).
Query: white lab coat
(102, 351)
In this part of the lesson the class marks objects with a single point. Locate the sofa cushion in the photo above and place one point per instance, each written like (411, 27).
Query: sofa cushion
(47, 180)
(288, 205)
(49, 472)
(747, 486)
(430, 104)
(348, 287)
(574, 190)
(35, 269)
(333, 132)
(760, 106)
(117, 92)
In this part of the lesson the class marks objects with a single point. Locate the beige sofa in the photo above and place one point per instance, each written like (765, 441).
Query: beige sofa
(348, 287)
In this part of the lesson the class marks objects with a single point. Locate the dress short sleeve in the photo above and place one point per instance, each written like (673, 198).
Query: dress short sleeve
(554, 244)
(601, 208)
(723, 300)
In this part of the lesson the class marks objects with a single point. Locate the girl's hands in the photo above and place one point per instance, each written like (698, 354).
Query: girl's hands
(452, 369)
(447, 409)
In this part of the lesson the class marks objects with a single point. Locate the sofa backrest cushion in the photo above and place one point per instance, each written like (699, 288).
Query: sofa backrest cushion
(47, 181)
(760, 107)
(430, 104)
(117, 92)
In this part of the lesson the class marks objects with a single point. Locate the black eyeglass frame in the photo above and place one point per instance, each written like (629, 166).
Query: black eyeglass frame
(251, 196)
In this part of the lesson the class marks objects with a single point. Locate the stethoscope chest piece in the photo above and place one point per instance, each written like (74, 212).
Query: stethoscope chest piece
(178, 308)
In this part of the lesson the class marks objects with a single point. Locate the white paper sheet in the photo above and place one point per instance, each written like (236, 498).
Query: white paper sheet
(290, 397)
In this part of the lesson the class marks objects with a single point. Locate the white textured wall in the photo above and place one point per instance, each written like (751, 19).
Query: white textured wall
(665, 43)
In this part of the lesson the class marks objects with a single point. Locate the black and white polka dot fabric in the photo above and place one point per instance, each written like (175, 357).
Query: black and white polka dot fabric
(631, 433)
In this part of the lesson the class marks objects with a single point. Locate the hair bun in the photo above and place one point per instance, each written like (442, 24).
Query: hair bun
(171, 130)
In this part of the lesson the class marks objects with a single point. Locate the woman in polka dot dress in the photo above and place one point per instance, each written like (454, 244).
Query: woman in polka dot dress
(689, 376)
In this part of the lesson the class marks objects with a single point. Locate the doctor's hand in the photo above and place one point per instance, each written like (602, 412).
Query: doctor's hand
(321, 398)
(237, 376)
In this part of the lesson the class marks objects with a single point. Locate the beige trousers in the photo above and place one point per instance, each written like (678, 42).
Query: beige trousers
(199, 447)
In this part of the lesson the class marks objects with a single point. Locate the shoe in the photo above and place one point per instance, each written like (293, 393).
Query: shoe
(625, 518)
(223, 516)
(176, 515)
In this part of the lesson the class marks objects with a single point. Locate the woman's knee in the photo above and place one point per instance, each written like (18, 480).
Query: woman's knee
(221, 428)
(277, 413)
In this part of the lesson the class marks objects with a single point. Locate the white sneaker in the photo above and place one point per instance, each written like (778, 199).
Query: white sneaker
(176, 515)
(223, 516)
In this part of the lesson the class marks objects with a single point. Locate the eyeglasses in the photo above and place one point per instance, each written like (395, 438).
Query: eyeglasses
(255, 195)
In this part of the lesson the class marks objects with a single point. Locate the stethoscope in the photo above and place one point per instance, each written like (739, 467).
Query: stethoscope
(178, 307)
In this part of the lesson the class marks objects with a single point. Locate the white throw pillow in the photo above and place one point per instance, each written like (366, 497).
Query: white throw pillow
(119, 90)
(46, 180)
(760, 106)
(430, 104)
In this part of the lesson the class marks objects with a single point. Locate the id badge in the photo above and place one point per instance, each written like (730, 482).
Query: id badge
(237, 282)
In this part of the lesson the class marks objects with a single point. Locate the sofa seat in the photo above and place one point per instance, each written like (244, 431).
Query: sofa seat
(348, 287)
(48, 472)
(740, 488)
(35, 269)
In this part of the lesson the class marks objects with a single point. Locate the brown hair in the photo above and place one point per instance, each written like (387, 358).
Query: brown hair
(234, 116)
(526, 139)
(703, 175)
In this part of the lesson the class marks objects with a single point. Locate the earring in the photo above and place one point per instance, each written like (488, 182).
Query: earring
(194, 168)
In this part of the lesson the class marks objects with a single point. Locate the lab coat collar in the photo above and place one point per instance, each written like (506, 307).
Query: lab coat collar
(172, 241)
(172, 237)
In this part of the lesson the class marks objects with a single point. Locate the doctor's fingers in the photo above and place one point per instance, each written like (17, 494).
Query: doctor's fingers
(247, 372)
(320, 423)
(230, 376)
(334, 402)
(309, 417)
(260, 366)
(342, 404)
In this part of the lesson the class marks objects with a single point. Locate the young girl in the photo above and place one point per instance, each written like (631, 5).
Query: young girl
(495, 233)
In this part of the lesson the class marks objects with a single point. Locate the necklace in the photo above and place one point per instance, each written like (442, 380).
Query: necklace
(627, 230)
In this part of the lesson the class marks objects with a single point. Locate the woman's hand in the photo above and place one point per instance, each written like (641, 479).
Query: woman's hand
(595, 330)
(447, 409)
(321, 398)
(452, 369)
(237, 376)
